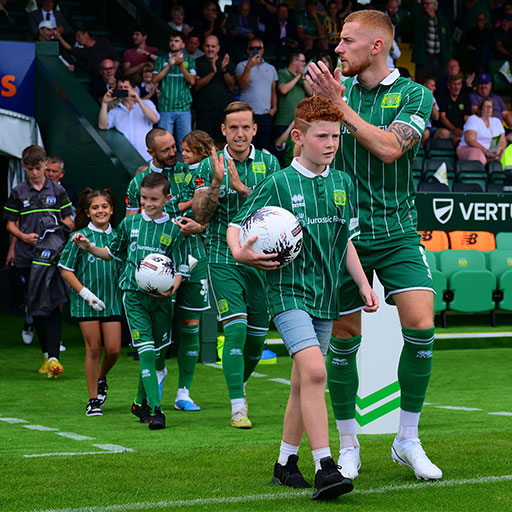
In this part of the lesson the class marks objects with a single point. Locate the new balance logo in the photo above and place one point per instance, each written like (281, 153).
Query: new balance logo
(235, 352)
(337, 361)
(471, 238)
(424, 354)
(146, 373)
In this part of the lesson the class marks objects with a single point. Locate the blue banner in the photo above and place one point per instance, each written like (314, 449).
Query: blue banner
(17, 76)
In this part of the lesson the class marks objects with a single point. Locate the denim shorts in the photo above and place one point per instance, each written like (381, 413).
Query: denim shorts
(299, 330)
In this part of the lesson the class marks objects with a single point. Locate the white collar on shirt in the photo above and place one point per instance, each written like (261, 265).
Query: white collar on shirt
(161, 220)
(306, 172)
(92, 227)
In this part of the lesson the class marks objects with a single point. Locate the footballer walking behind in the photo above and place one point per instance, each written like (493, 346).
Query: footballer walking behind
(222, 184)
(384, 118)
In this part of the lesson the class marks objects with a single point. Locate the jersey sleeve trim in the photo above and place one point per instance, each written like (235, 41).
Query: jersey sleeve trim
(65, 268)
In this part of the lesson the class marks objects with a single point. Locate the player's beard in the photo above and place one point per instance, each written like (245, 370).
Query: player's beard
(357, 67)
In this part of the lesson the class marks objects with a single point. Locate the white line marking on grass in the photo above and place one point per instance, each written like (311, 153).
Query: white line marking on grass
(275, 496)
(67, 454)
(75, 437)
(281, 381)
(113, 448)
(456, 408)
(42, 428)
(255, 374)
(13, 420)
(503, 413)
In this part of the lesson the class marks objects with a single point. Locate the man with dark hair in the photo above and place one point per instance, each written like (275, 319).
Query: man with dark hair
(134, 58)
(222, 183)
(454, 110)
(192, 45)
(133, 117)
(175, 73)
(91, 51)
(432, 42)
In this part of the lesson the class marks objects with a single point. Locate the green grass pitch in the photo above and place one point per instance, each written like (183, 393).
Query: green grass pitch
(200, 463)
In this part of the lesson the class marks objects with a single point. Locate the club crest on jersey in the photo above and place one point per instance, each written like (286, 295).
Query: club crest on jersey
(259, 167)
(340, 197)
(26, 203)
(51, 200)
(165, 240)
(188, 177)
(179, 178)
(135, 335)
(391, 100)
(223, 306)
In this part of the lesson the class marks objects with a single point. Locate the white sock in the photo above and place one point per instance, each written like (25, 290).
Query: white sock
(285, 451)
(45, 355)
(52, 359)
(160, 375)
(183, 394)
(408, 428)
(238, 404)
(347, 431)
(321, 453)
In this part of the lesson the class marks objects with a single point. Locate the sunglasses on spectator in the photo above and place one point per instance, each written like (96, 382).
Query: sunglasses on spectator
(255, 48)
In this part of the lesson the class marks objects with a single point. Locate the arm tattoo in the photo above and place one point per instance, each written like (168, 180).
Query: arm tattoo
(245, 193)
(405, 135)
(205, 203)
(350, 126)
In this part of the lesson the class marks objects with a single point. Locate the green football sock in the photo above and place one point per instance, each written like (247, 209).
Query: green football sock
(254, 343)
(188, 354)
(160, 359)
(141, 392)
(148, 377)
(342, 376)
(415, 367)
(235, 332)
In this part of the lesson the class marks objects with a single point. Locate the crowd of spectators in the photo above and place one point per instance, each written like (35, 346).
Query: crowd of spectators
(215, 57)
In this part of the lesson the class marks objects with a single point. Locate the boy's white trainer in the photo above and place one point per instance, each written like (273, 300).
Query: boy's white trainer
(410, 453)
(349, 461)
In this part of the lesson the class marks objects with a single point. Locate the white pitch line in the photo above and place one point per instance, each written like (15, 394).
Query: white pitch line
(41, 428)
(113, 448)
(13, 420)
(503, 413)
(275, 496)
(456, 408)
(67, 454)
(75, 437)
(281, 381)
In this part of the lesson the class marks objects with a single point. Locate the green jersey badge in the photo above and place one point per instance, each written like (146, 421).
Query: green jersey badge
(178, 178)
(259, 167)
(165, 240)
(223, 306)
(340, 197)
(391, 100)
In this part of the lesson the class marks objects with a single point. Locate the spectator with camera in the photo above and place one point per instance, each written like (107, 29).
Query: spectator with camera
(133, 117)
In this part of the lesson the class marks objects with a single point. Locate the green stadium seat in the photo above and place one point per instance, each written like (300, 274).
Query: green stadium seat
(471, 171)
(501, 266)
(469, 280)
(441, 149)
(440, 283)
(504, 241)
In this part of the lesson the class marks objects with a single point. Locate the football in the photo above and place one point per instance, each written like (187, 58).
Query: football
(278, 232)
(155, 273)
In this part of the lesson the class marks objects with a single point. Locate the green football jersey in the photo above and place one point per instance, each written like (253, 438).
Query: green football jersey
(175, 95)
(384, 193)
(137, 236)
(252, 171)
(323, 206)
(176, 176)
(100, 276)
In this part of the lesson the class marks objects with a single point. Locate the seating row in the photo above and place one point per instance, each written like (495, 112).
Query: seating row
(436, 240)
(466, 283)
